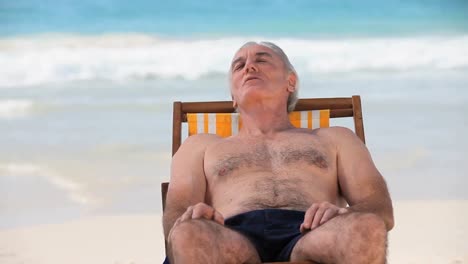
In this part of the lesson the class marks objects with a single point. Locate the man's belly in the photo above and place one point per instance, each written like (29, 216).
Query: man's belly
(268, 191)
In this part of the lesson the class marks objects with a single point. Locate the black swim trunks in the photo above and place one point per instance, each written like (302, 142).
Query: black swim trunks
(273, 232)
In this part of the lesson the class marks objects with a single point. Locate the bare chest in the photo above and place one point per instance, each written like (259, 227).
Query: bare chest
(229, 158)
(290, 172)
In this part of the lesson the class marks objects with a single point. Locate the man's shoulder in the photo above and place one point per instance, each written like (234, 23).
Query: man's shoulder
(201, 140)
(337, 135)
(335, 131)
(342, 138)
(195, 146)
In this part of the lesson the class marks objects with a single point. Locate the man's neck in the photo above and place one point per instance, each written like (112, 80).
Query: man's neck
(264, 121)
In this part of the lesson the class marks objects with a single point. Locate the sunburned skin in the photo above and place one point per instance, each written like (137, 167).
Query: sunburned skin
(244, 175)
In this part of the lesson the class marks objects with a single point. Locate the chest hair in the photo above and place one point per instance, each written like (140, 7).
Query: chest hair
(268, 158)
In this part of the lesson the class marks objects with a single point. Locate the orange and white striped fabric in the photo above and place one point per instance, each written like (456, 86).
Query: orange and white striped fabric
(227, 124)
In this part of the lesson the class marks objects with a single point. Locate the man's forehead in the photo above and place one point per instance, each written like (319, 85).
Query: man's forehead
(254, 49)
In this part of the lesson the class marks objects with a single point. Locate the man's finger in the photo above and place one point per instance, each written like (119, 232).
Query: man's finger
(203, 211)
(187, 215)
(308, 217)
(318, 217)
(218, 217)
(329, 214)
(303, 229)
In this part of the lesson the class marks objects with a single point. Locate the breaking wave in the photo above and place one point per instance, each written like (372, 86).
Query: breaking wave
(32, 60)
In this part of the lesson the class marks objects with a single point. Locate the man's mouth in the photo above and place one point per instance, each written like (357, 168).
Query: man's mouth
(251, 78)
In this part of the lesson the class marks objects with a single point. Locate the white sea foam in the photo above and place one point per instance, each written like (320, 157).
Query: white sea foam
(74, 189)
(17, 169)
(57, 58)
(14, 108)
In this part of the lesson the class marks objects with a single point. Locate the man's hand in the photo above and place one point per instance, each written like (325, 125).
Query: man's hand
(319, 213)
(201, 210)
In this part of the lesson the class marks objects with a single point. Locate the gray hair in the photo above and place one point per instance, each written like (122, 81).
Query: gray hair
(293, 97)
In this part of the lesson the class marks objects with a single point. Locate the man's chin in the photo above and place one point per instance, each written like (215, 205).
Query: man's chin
(253, 85)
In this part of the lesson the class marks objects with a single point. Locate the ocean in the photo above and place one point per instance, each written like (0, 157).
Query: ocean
(86, 91)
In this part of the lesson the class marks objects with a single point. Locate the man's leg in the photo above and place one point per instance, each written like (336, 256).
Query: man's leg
(205, 241)
(348, 238)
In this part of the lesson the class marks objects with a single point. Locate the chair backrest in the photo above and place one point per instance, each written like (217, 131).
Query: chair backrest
(227, 124)
(200, 114)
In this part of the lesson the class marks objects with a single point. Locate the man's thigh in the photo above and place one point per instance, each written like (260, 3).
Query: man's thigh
(333, 241)
(318, 244)
(207, 238)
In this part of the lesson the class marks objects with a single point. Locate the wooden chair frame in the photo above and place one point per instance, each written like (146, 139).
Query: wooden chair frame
(339, 107)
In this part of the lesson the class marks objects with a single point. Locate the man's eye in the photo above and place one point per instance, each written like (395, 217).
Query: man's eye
(238, 66)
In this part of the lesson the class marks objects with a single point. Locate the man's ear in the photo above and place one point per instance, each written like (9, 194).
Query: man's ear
(292, 81)
(234, 103)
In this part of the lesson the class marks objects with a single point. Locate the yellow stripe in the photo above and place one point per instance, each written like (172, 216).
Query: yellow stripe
(223, 124)
(205, 123)
(192, 124)
(324, 118)
(312, 121)
(295, 118)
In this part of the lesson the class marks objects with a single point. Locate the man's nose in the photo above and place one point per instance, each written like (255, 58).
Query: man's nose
(250, 67)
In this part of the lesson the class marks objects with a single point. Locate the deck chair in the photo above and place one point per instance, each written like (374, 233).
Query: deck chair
(219, 118)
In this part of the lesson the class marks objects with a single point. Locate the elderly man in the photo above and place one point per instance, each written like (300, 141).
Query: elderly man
(274, 192)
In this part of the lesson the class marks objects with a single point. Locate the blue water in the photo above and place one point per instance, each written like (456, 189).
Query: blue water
(193, 18)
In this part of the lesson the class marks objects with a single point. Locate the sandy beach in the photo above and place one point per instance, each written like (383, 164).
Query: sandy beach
(425, 232)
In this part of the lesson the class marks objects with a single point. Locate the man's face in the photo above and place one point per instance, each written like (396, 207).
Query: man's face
(258, 73)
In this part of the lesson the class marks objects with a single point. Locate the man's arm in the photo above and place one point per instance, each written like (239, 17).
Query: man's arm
(188, 183)
(360, 182)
